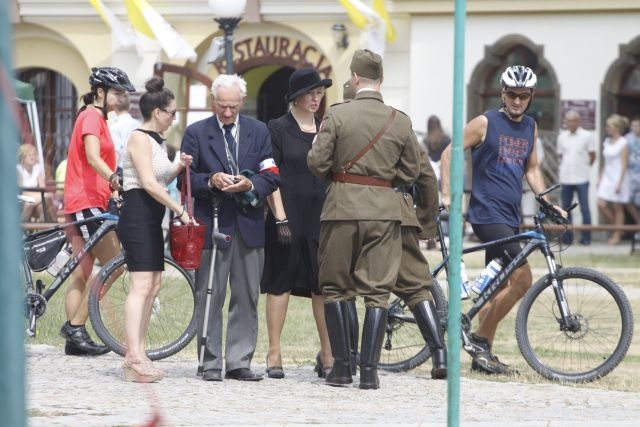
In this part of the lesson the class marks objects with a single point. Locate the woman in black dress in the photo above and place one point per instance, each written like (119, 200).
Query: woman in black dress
(293, 222)
(147, 170)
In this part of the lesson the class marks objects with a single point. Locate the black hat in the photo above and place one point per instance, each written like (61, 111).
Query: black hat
(304, 80)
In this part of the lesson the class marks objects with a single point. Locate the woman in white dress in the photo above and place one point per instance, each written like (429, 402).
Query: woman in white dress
(613, 182)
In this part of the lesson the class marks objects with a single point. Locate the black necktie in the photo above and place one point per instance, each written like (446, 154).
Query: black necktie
(231, 141)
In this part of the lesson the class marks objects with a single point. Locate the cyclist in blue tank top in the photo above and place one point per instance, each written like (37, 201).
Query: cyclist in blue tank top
(503, 153)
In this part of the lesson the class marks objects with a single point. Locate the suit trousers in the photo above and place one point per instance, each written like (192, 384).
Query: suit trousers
(359, 257)
(414, 277)
(240, 267)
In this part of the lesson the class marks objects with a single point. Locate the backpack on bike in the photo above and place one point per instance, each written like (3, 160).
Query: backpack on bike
(42, 251)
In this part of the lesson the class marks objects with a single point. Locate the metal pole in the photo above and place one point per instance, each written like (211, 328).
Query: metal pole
(227, 25)
(12, 388)
(455, 219)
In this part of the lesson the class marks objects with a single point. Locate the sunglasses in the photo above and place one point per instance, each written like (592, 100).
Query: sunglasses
(521, 96)
(173, 113)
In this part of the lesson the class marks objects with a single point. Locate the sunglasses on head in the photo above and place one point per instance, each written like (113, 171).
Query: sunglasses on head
(521, 96)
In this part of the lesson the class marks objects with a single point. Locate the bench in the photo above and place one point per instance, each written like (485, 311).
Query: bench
(596, 227)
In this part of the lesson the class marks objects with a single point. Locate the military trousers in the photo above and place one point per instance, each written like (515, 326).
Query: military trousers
(359, 258)
(414, 276)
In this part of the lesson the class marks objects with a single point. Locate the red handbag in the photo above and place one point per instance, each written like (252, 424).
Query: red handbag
(187, 240)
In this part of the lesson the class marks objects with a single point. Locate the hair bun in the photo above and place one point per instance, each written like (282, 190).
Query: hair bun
(155, 84)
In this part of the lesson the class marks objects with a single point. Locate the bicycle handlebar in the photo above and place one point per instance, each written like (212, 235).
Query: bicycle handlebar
(548, 210)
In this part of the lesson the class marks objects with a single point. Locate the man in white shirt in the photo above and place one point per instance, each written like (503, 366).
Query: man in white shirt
(576, 149)
(121, 127)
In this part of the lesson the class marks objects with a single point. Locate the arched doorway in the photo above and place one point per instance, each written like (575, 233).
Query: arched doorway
(621, 87)
(265, 62)
(484, 90)
(57, 103)
(271, 102)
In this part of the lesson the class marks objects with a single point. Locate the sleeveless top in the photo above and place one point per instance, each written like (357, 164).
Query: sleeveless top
(499, 165)
(163, 168)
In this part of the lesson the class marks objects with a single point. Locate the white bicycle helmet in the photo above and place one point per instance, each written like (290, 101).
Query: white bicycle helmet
(518, 76)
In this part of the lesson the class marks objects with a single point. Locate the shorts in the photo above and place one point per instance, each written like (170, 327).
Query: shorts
(490, 232)
(88, 229)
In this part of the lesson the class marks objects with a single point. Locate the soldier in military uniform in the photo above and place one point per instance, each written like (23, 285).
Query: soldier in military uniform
(414, 277)
(360, 245)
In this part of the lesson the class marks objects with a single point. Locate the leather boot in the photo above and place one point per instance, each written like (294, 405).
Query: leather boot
(428, 322)
(336, 319)
(375, 324)
(354, 332)
(79, 343)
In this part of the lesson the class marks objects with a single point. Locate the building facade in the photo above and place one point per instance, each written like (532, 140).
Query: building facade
(586, 54)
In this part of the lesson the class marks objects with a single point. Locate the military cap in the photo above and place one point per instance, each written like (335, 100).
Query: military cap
(367, 64)
(348, 91)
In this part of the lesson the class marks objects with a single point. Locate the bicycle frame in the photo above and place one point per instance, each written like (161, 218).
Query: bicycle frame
(109, 224)
(535, 240)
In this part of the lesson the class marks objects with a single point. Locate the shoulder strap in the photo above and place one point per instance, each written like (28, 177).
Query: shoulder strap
(375, 139)
(185, 192)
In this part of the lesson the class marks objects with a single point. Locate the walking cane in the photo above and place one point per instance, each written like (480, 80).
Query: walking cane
(215, 235)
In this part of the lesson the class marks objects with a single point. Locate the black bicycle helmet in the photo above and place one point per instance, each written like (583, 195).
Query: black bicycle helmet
(518, 76)
(111, 78)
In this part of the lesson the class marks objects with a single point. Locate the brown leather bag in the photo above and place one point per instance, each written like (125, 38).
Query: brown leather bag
(187, 240)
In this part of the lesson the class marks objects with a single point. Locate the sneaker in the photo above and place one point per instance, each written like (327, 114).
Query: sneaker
(483, 360)
(478, 347)
(79, 343)
(492, 367)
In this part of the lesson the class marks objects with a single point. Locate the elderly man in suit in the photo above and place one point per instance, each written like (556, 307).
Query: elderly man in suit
(364, 148)
(233, 167)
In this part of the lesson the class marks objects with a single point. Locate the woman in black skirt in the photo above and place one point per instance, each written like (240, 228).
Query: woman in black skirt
(147, 170)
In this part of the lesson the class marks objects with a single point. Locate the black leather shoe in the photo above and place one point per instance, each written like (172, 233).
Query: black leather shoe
(212, 375)
(242, 374)
(199, 371)
(79, 343)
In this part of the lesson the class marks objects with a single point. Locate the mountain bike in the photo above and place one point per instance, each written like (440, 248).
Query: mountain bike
(172, 323)
(574, 324)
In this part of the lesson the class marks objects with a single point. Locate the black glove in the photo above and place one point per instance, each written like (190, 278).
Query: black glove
(284, 232)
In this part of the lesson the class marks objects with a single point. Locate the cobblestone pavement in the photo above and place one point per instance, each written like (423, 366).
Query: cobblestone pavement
(83, 391)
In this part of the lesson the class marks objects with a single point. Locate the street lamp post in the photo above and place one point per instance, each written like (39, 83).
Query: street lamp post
(228, 13)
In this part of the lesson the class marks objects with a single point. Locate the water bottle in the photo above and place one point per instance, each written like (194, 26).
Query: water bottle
(61, 259)
(464, 282)
(489, 273)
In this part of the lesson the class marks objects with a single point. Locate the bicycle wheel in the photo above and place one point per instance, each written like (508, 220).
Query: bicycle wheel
(172, 324)
(605, 327)
(404, 347)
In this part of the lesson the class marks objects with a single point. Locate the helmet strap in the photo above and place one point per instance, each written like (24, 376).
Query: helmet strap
(102, 107)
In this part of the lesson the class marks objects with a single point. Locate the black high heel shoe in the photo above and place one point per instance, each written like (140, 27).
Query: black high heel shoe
(321, 370)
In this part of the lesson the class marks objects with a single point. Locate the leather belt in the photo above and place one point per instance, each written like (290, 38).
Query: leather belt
(361, 179)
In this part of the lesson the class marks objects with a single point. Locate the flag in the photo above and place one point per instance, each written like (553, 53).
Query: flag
(122, 35)
(364, 17)
(381, 11)
(150, 24)
(355, 13)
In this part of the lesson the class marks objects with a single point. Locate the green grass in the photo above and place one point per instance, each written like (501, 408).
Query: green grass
(300, 342)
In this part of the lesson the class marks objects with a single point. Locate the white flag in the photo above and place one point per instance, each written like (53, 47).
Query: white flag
(149, 23)
(122, 35)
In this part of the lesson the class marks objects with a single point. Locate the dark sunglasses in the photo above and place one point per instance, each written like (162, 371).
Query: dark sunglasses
(173, 113)
(521, 96)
